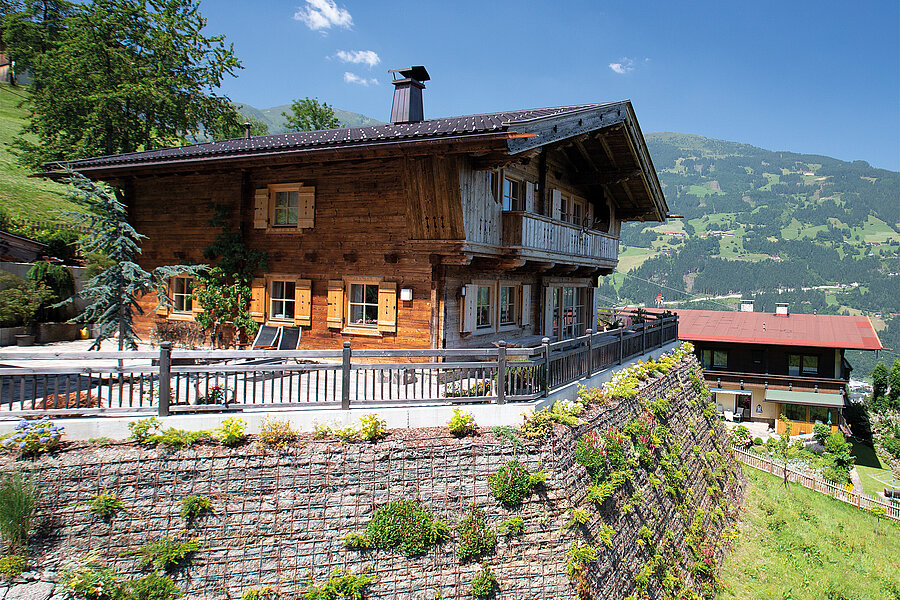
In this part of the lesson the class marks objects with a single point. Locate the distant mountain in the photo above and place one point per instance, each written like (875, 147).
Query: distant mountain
(276, 122)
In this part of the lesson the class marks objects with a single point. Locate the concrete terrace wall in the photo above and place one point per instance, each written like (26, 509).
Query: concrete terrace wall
(280, 515)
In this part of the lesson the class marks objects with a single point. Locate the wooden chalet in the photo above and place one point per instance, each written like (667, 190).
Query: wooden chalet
(760, 366)
(438, 233)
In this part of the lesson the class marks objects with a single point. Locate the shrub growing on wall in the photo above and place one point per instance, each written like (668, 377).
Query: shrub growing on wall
(407, 527)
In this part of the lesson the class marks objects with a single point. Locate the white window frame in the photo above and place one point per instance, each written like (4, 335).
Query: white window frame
(514, 301)
(184, 294)
(276, 209)
(284, 299)
(350, 304)
(581, 306)
(513, 202)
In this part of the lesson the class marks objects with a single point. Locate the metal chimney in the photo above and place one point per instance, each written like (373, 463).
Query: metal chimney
(407, 107)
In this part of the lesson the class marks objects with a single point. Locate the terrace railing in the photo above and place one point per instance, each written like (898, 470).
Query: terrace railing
(170, 380)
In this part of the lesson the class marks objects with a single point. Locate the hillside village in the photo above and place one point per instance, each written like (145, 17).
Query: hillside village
(300, 352)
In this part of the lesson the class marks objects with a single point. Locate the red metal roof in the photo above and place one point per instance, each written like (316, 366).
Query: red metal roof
(823, 331)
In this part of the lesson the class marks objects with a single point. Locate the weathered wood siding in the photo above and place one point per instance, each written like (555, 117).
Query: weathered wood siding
(433, 210)
(480, 209)
(361, 220)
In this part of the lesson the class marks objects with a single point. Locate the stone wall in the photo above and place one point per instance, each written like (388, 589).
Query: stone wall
(280, 515)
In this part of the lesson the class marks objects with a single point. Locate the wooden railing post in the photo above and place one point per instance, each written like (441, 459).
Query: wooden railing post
(501, 372)
(345, 376)
(590, 363)
(621, 348)
(165, 377)
(545, 342)
(643, 337)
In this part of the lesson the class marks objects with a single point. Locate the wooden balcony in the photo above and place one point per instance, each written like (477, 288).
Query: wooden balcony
(540, 238)
(759, 381)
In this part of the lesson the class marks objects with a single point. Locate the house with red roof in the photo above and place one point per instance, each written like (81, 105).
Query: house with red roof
(764, 365)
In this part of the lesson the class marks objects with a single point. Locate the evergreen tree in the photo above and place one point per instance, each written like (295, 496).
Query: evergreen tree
(309, 115)
(113, 293)
(115, 76)
(894, 382)
(879, 380)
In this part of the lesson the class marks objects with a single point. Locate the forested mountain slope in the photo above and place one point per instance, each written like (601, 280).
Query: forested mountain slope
(766, 224)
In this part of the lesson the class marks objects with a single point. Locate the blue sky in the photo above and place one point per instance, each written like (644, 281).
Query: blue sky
(818, 77)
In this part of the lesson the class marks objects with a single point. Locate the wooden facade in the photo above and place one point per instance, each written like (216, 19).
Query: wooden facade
(491, 235)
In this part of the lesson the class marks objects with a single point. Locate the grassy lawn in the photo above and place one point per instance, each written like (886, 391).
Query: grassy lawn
(876, 230)
(21, 196)
(633, 257)
(873, 475)
(702, 191)
(800, 545)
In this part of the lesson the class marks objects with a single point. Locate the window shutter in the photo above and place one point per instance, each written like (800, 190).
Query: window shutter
(387, 306)
(307, 207)
(525, 313)
(467, 314)
(529, 196)
(335, 303)
(548, 311)
(590, 216)
(162, 310)
(261, 208)
(303, 303)
(258, 300)
(555, 204)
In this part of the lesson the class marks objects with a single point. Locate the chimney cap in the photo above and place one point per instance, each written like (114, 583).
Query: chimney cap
(418, 73)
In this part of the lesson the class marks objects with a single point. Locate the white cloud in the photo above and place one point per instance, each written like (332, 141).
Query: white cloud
(323, 14)
(354, 78)
(626, 65)
(359, 57)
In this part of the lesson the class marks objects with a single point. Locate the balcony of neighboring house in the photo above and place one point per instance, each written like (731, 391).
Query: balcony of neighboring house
(541, 238)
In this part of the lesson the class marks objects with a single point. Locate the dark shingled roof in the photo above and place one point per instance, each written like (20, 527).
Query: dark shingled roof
(333, 138)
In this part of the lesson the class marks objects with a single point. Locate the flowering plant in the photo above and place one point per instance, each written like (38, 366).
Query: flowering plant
(215, 394)
(33, 437)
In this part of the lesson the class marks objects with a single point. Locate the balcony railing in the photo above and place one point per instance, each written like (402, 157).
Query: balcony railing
(757, 381)
(537, 235)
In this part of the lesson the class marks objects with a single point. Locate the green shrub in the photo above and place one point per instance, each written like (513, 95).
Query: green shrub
(152, 587)
(56, 278)
(462, 424)
(102, 442)
(341, 585)
(20, 300)
(179, 438)
(537, 425)
(578, 517)
(194, 506)
(143, 430)
(321, 430)
(758, 441)
(891, 445)
(87, 579)
(215, 394)
(475, 536)
(821, 431)
(12, 565)
(261, 593)
(406, 526)
(511, 526)
(345, 434)
(512, 482)
(602, 454)
(506, 433)
(276, 433)
(31, 438)
(579, 555)
(105, 505)
(167, 553)
(17, 506)
(371, 428)
(484, 582)
(231, 431)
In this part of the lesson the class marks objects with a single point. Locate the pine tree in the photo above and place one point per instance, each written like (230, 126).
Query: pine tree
(894, 382)
(309, 115)
(113, 293)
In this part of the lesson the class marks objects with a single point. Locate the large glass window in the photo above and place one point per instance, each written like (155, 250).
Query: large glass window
(281, 300)
(570, 311)
(507, 305)
(794, 412)
(714, 359)
(286, 208)
(181, 294)
(823, 414)
(803, 364)
(363, 305)
(483, 307)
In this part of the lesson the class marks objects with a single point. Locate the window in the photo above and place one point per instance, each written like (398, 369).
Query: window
(512, 195)
(507, 305)
(572, 209)
(281, 300)
(803, 364)
(483, 307)
(286, 207)
(363, 305)
(181, 289)
(794, 412)
(568, 311)
(714, 359)
(822, 414)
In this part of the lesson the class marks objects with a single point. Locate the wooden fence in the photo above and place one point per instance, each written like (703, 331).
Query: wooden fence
(849, 495)
(168, 380)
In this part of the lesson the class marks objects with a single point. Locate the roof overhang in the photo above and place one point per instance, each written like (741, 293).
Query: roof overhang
(805, 398)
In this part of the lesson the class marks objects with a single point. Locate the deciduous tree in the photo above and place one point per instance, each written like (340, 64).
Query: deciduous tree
(309, 115)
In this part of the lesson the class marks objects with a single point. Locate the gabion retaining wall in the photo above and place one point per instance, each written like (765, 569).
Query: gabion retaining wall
(280, 515)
